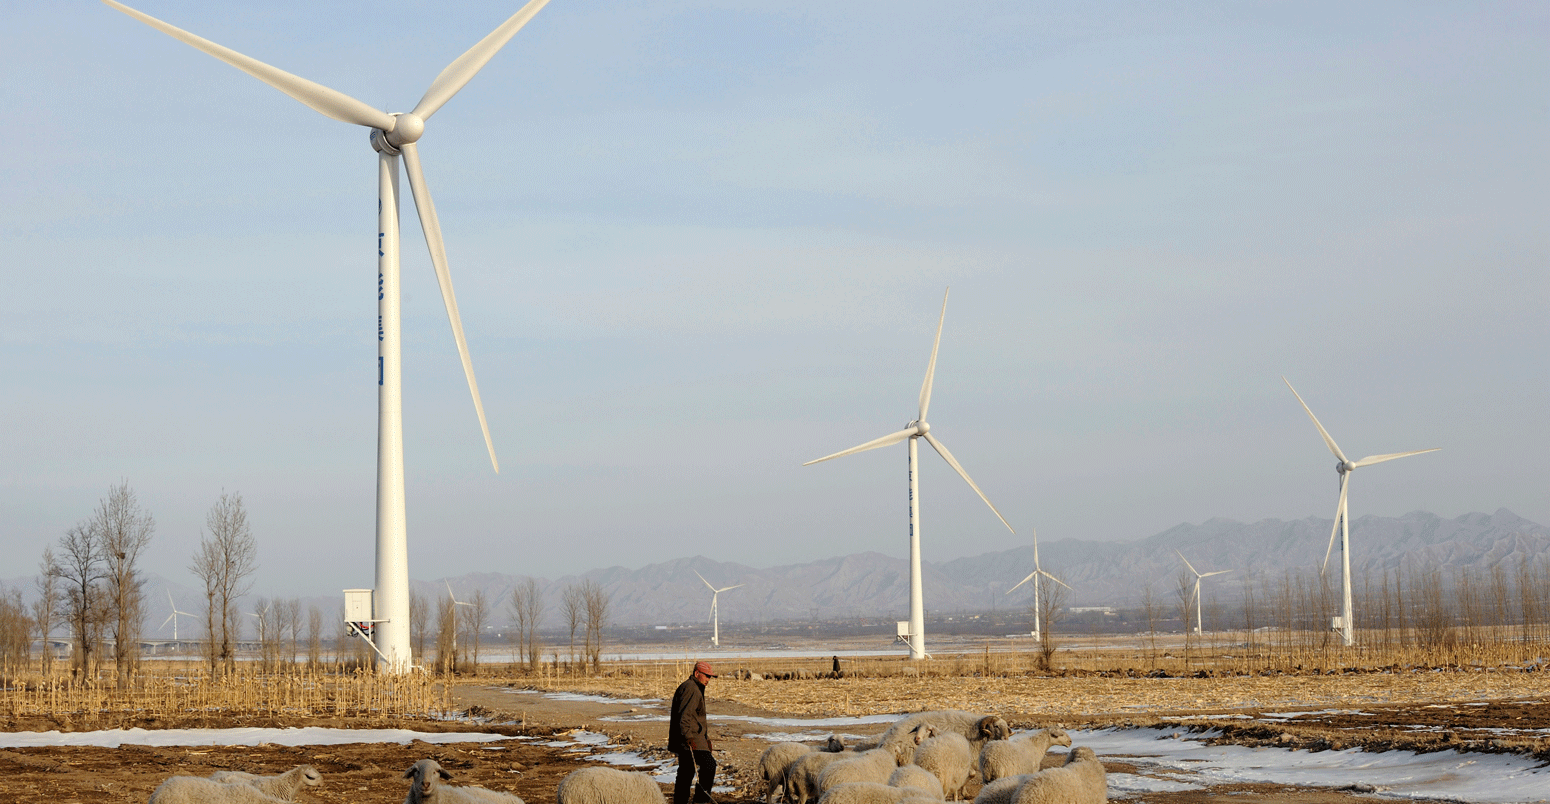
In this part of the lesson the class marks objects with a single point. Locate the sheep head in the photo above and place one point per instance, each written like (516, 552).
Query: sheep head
(1081, 753)
(1058, 736)
(309, 775)
(834, 744)
(424, 774)
(994, 727)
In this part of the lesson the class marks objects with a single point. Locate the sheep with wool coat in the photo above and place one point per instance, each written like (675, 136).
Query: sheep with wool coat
(802, 775)
(1001, 790)
(916, 778)
(1081, 780)
(199, 790)
(282, 785)
(1022, 754)
(950, 758)
(778, 759)
(976, 728)
(868, 766)
(873, 793)
(600, 785)
(426, 788)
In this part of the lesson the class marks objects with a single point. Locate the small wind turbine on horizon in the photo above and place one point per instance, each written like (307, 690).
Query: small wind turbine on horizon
(455, 604)
(392, 136)
(914, 431)
(1196, 594)
(173, 617)
(1034, 576)
(715, 617)
(1342, 516)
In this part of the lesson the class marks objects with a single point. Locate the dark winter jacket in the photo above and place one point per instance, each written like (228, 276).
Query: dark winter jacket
(686, 725)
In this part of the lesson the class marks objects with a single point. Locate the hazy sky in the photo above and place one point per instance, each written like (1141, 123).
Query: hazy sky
(696, 244)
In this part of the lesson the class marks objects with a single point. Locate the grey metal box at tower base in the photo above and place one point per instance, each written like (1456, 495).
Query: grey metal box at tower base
(903, 628)
(357, 605)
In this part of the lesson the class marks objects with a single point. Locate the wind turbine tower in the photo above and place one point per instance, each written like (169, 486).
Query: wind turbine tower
(715, 617)
(392, 136)
(1035, 576)
(1344, 623)
(1198, 576)
(914, 431)
(173, 617)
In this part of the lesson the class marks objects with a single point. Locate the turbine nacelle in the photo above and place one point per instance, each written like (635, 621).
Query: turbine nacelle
(920, 428)
(407, 128)
(1345, 467)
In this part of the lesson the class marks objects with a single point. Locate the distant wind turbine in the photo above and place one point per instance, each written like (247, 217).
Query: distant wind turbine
(1034, 576)
(914, 431)
(173, 617)
(715, 618)
(1342, 515)
(455, 604)
(1198, 576)
(392, 136)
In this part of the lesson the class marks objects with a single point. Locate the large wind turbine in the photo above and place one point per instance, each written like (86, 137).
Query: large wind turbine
(1342, 515)
(1034, 576)
(1198, 576)
(913, 431)
(715, 616)
(392, 136)
(173, 617)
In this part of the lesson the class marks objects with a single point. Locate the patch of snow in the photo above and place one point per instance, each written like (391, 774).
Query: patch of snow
(113, 738)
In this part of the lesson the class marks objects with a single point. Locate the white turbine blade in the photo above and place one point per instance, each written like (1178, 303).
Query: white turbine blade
(1056, 580)
(464, 67)
(164, 622)
(925, 387)
(1329, 442)
(1035, 549)
(1339, 512)
(319, 98)
(1372, 459)
(941, 449)
(432, 228)
(702, 578)
(1187, 564)
(729, 588)
(1218, 572)
(1023, 581)
(885, 441)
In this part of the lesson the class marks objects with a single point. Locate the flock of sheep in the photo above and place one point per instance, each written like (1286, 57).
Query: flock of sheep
(922, 758)
(930, 757)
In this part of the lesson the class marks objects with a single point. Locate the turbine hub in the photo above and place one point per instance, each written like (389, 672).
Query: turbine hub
(407, 128)
(922, 428)
(1345, 467)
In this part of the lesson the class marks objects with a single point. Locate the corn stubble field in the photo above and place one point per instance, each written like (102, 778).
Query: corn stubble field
(1386, 694)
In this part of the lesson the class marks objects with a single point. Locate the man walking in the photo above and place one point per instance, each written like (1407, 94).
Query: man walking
(689, 739)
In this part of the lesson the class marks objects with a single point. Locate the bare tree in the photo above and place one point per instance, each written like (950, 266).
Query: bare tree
(1052, 607)
(446, 635)
(81, 573)
(1153, 610)
(527, 609)
(478, 617)
(16, 626)
(45, 609)
(124, 530)
(1186, 611)
(596, 602)
(419, 623)
(314, 637)
(226, 561)
(573, 606)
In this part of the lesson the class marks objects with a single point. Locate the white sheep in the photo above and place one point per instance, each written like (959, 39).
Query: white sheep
(600, 785)
(977, 728)
(802, 775)
(1019, 755)
(284, 785)
(915, 777)
(426, 789)
(778, 759)
(1001, 790)
(868, 766)
(199, 790)
(949, 757)
(873, 793)
(1081, 780)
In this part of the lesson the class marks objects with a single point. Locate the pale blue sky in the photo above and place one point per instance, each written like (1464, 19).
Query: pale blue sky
(696, 244)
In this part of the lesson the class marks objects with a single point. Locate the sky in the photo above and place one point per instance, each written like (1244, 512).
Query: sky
(696, 244)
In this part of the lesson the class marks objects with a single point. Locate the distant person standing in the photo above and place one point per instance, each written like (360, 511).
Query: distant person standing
(689, 738)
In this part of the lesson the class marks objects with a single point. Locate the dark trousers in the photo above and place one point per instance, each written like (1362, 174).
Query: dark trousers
(687, 762)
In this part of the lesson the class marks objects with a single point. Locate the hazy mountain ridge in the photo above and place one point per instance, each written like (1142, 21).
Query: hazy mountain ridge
(874, 585)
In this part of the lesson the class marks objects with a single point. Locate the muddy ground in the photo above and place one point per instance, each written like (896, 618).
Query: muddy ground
(373, 772)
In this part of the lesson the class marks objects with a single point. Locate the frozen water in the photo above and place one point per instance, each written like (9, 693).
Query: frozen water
(1125, 785)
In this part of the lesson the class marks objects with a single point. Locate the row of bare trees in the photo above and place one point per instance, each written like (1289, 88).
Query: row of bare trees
(459, 626)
